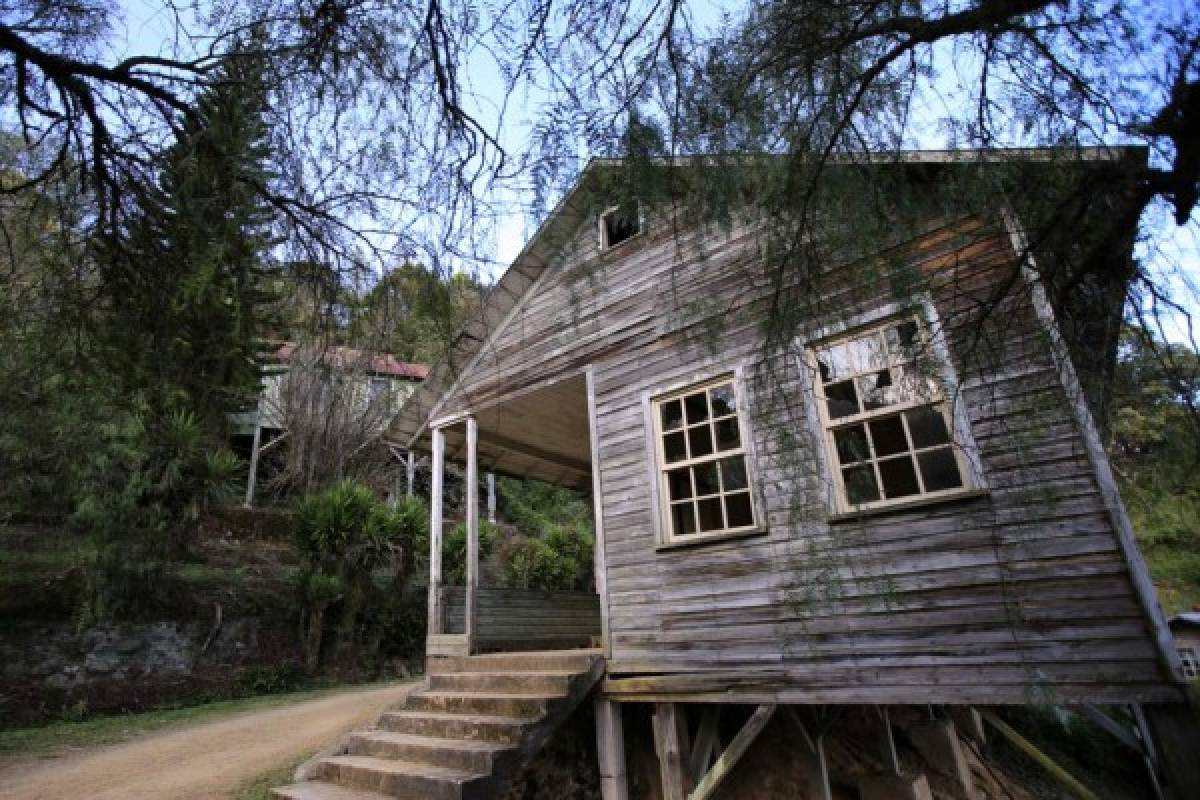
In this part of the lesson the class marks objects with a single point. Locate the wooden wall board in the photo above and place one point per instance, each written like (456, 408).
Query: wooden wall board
(1023, 591)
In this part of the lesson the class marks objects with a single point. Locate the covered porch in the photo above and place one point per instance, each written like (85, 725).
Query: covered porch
(540, 432)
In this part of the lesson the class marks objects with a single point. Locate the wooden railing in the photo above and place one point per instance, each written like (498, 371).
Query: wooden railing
(524, 619)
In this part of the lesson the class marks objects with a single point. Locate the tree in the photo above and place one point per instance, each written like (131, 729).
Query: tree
(1154, 451)
(414, 313)
(184, 286)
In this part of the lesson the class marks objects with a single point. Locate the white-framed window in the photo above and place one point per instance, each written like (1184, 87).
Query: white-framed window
(705, 487)
(619, 224)
(889, 432)
(1190, 662)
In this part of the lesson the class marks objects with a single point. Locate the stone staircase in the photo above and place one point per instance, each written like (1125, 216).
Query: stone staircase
(463, 736)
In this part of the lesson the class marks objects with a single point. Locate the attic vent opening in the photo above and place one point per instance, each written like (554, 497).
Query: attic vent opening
(619, 224)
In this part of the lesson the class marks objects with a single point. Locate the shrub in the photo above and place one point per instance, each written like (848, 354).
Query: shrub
(454, 551)
(359, 555)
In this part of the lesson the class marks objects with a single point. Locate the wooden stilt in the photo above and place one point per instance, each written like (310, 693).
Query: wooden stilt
(670, 754)
(1172, 733)
(412, 472)
(732, 754)
(610, 749)
(252, 478)
(887, 744)
(705, 744)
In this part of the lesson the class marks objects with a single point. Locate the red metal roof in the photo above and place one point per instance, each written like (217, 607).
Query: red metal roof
(338, 356)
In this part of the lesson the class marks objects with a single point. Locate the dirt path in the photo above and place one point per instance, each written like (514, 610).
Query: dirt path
(205, 760)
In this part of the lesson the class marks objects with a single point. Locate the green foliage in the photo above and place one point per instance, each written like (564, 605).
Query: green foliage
(562, 559)
(554, 549)
(183, 297)
(328, 523)
(276, 679)
(415, 313)
(454, 551)
(1154, 451)
(358, 558)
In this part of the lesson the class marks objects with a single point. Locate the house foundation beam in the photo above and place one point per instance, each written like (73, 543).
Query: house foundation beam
(610, 750)
(669, 750)
(888, 786)
(1175, 733)
(734, 752)
(937, 742)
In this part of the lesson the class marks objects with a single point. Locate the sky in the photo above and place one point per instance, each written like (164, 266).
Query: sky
(1172, 252)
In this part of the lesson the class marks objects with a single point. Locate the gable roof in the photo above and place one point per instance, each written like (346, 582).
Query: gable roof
(411, 423)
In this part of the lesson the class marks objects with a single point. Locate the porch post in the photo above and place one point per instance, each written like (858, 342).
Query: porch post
(435, 533)
(411, 463)
(472, 490)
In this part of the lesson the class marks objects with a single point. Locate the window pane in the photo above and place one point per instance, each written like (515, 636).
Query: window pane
(887, 435)
(860, 485)
(710, 514)
(851, 444)
(939, 469)
(674, 447)
(877, 390)
(672, 415)
(697, 408)
(738, 511)
(914, 383)
(728, 437)
(621, 224)
(700, 439)
(706, 478)
(733, 474)
(842, 399)
(842, 360)
(683, 519)
(722, 400)
(927, 426)
(899, 478)
(680, 483)
(902, 340)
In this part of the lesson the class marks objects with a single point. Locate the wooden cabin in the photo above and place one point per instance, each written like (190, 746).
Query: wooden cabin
(873, 509)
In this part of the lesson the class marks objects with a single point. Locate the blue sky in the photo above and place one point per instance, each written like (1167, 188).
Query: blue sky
(1172, 253)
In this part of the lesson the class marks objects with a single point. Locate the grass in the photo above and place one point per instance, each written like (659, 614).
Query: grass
(259, 788)
(121, 727)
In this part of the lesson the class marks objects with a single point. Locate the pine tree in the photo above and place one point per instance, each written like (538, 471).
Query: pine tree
(185, 288)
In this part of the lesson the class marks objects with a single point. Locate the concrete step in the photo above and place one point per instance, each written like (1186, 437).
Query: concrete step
(504, 704)
(548, 682)
(468, 755)
(482, 727)
(404, 779)
(318, 790)
(528, 661)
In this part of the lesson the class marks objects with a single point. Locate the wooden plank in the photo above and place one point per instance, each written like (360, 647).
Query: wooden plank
(435, 535)
(600, 556)
(706, 742)
(610, 750)
(470, 616)
(734, 752)
(669, 750)
(1099, 459)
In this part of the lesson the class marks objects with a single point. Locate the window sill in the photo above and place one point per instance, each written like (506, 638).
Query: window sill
(711, 538)
(907, 505)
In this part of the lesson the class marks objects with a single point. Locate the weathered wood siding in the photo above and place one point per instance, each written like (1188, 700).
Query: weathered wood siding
(526, 619)
(1021, 594)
